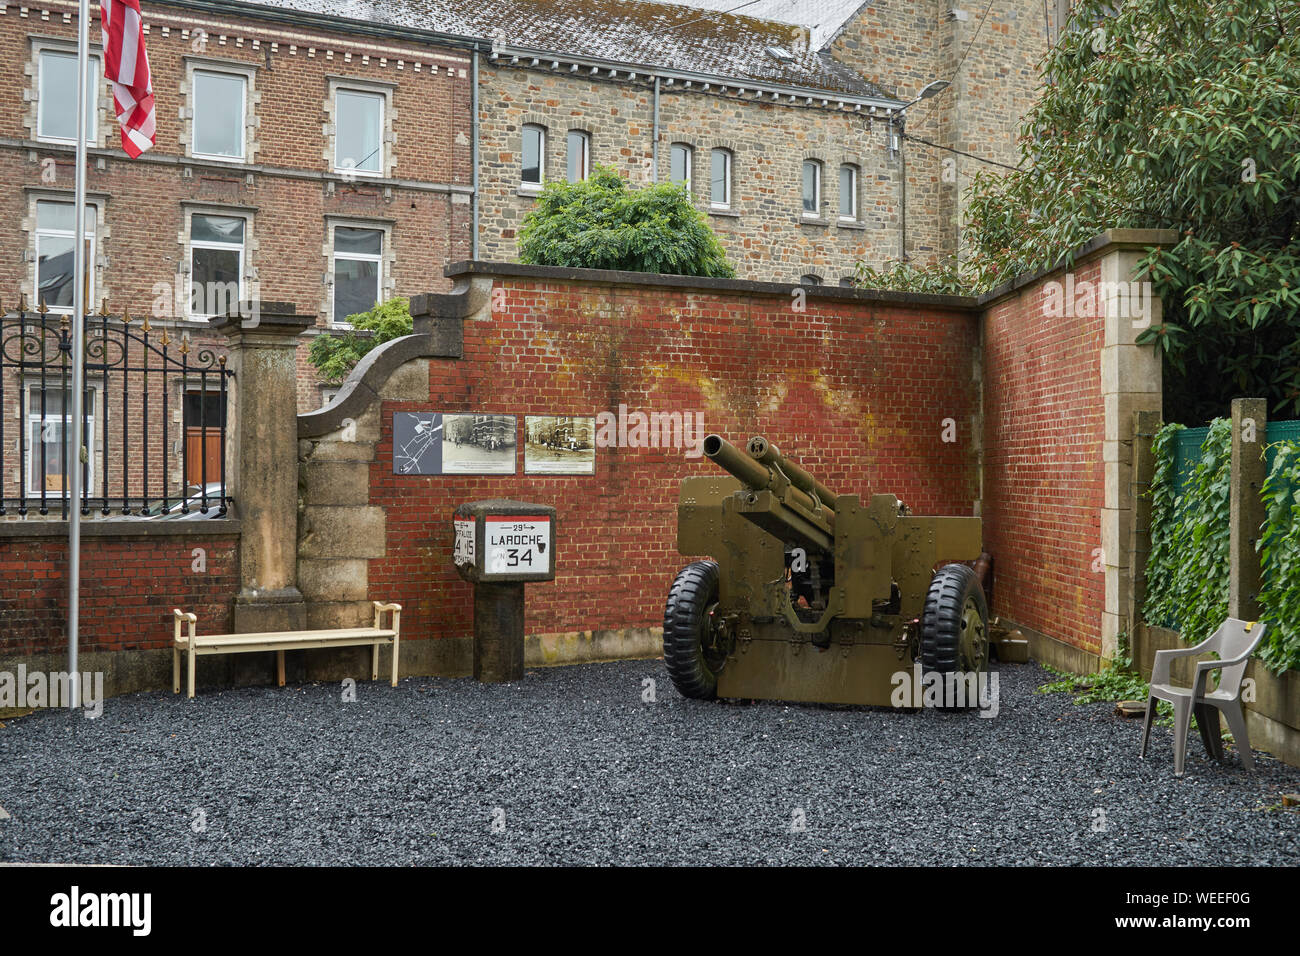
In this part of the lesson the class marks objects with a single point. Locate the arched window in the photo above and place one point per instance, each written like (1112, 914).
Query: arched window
(533, 151)
(680, 160)
(720, 179)
(812, 188)
(810, 278)
(579, 146)
(849, 192)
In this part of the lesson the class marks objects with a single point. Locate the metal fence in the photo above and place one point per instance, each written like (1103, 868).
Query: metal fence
(155, 419)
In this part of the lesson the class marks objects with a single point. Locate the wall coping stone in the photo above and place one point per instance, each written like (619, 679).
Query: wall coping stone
(1109, 241)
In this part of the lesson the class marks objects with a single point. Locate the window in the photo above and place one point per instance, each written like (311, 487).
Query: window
(358, 271)
(359, 132)
(579, 155)
(216, 264)
(848, 282)
(848, 192)
(46, 447)
(219, 114)
(720, 179)
(56, 101)
(534, 155)
(55, 229)
(812, 188)
(810, 279)
(680, 158)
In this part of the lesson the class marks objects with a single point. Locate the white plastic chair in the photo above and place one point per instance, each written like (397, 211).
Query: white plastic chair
(1234, 642)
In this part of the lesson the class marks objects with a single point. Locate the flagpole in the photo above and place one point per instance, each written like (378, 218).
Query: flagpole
(72, 480)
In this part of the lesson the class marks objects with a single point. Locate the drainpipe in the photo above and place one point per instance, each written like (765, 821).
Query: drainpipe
(473, 242)
(654, 149)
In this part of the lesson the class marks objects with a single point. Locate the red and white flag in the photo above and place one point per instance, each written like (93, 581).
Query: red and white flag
(126, 65)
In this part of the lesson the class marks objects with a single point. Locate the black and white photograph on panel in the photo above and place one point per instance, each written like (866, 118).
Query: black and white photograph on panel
(478, 445)
(559, 445)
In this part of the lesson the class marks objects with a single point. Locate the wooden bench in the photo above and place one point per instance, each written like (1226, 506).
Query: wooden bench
(280, 641)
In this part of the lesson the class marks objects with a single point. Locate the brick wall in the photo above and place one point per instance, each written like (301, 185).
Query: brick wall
(129, 585)
(854, 389)
(1044, 476)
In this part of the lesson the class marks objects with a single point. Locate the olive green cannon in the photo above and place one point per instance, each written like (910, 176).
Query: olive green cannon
(811, 596)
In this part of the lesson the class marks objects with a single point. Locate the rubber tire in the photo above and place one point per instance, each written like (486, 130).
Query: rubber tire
(952, 586)
(694, 590)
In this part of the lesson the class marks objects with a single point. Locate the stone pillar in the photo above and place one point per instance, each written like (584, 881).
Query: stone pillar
(264, 463)
(1249, 424)
(1145, 426)
(1130, 383)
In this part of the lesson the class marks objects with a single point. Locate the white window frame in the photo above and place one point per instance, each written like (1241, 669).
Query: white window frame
(377, 258)
(38, 232)
(382, 97)
(689, 150)
(853, 192)
(541, 156)
(816, 212)
(726, 177)
(243, 113)
(221, 246)
(585, 139)
(92, 103)
(34, 439)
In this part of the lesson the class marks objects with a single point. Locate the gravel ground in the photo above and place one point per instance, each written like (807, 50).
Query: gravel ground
(572, 766)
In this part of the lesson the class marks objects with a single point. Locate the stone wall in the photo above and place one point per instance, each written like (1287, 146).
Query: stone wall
(764, 232)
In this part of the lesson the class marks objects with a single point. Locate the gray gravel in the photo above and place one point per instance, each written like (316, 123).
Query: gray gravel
(575, 768)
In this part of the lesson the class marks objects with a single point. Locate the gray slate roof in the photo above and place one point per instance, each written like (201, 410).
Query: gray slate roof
(637, 32)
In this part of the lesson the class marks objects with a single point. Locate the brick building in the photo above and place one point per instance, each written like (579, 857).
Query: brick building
(297, 159)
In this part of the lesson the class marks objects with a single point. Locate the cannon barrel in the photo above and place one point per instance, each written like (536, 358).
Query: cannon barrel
(763, 451)
(760, 477)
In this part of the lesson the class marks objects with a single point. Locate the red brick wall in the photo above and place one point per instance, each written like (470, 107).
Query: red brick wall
(1044, 482)
(856, 392)
(129, 586)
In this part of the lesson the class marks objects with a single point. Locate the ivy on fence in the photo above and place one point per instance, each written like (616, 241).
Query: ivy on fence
(1279, 550)
(1188, 566)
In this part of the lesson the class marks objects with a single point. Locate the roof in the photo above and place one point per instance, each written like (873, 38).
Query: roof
(635, 32)
(823, 18)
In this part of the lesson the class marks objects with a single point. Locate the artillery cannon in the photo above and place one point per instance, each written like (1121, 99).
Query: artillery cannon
(813, 596)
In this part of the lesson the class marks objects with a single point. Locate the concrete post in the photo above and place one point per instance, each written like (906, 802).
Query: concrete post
(1249, 424)
(264, 464)
(1145, 425)
(1130, 383)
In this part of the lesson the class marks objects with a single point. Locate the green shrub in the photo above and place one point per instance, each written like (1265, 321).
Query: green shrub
(335, 353)
(1188, 567)
(601, 223)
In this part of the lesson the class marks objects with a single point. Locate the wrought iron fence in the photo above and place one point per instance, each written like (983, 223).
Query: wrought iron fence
(136, 459)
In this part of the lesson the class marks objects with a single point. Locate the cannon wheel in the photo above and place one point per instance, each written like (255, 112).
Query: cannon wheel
(695, 648)
(955, 623)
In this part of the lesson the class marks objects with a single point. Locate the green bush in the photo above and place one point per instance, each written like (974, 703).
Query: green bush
(1188, 566)
(335, 353)
(601, 223)
(1187, 569)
